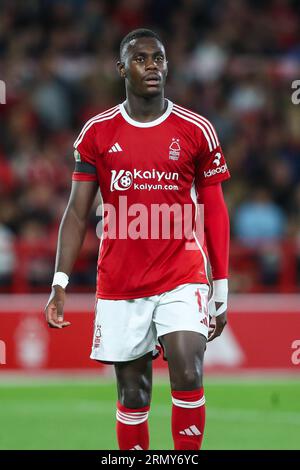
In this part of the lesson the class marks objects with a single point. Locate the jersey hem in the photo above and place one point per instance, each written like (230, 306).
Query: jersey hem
(131, 358)
(140, 295)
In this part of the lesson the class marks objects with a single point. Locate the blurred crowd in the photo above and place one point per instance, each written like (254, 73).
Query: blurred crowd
(232, 61)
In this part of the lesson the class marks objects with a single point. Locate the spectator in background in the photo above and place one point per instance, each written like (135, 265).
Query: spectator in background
(259, 220)
(260, 224)
(50, 98)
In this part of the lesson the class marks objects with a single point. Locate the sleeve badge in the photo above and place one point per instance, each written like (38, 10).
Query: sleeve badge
(77, 156)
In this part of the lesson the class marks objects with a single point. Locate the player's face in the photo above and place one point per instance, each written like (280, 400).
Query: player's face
(144, 67)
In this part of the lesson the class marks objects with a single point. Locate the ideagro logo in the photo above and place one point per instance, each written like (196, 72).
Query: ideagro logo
(217, 159)
(219, 168)
(215, 171)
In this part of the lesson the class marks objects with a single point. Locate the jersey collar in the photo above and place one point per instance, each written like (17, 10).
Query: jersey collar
(157, 121)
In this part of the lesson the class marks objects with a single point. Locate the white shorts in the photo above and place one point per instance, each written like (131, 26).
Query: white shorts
(125, 330)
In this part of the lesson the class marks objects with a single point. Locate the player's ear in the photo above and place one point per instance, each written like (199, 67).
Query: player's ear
(121, 69)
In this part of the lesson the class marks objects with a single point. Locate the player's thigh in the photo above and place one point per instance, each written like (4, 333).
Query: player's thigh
(134, 381)
(181, 321)
(184, 351)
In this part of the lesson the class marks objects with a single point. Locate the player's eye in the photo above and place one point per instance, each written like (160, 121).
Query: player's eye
(139, 58)
(159, 58)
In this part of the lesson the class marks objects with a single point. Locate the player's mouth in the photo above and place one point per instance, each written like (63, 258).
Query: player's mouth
(152, 79)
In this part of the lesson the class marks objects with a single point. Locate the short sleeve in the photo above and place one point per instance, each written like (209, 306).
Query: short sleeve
(85, 155)
(211, 166)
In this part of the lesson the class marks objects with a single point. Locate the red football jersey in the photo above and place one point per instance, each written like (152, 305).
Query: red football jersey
(147, 172)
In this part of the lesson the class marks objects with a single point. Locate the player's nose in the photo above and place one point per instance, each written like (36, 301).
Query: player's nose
(151, 64)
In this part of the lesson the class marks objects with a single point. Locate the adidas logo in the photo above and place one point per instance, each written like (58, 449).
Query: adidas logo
(115, 148)
(191, 431)
(136, 448)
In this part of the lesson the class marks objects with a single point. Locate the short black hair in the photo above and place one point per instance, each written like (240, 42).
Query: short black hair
(135, 34)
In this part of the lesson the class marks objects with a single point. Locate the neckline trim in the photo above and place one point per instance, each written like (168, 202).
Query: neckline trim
(156, 122)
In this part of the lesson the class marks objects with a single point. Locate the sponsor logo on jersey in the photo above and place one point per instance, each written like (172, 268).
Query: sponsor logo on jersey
(215, 171)
(174, 149)
(123, 179)
(115, 148)
(217, 159)
(120, 181)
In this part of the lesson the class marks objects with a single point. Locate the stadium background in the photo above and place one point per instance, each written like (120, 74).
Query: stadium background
(232, 61)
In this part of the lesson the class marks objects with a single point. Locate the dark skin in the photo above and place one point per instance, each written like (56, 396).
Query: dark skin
(70, 238)
(143, 67)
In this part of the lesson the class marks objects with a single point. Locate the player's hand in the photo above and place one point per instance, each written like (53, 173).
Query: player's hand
(216, 329)
(54, 309)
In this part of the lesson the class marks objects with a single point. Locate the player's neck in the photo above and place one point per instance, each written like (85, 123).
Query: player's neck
(145, 109)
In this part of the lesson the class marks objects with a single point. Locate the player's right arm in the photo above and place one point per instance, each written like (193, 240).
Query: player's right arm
(74, 222)
(70, 238)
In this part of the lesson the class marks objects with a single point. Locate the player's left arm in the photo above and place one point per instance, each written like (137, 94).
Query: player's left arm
(217, 235)
(210, 171)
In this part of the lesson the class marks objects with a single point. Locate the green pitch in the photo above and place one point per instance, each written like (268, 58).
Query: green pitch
(80, 414)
